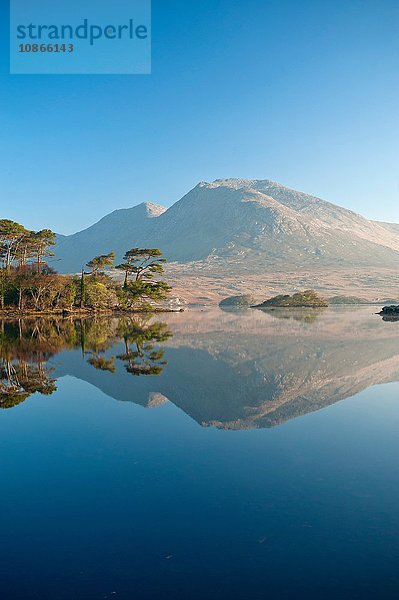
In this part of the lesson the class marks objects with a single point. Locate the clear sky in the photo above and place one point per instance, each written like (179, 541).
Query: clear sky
(303, 92)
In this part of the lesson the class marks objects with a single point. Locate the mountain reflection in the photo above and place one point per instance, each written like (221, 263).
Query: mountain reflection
(27, 345)
(227, 369)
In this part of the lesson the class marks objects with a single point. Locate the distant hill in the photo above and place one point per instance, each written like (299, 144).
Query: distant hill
(249, 224)
(117, 231)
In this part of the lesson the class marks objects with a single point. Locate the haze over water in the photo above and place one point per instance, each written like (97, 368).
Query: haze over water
(203, 455)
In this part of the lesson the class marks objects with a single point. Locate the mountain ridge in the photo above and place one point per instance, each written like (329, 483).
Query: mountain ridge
(244, 222)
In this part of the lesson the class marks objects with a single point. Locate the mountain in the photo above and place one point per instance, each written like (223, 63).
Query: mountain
(113, 232)
(245, 224)
(393, 227)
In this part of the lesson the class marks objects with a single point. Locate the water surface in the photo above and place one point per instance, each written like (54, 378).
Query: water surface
(205, 455)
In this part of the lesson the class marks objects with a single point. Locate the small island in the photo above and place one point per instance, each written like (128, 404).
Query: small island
(244, 301)
(390, 313)
(306, 299)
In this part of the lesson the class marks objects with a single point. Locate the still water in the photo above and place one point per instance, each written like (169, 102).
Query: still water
(206, 455)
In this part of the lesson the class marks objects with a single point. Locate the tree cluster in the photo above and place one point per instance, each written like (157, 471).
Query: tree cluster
(306, 299)
(27, 282)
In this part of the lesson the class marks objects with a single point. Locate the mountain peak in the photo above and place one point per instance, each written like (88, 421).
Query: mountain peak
(239, 183)
(153, 210)
(147, 209)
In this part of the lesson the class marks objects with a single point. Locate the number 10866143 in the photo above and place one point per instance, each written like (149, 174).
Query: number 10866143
(57, 48)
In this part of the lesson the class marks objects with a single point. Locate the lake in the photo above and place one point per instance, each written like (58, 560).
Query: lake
(204, 455)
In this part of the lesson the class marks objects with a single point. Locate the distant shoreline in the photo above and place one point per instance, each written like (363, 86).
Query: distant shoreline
(85, 312)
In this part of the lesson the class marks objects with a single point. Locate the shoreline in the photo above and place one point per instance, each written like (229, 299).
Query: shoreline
(85, 312)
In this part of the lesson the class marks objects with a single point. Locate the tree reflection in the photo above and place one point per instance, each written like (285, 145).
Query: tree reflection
(141, 355)
(101, 363)
(26, 345)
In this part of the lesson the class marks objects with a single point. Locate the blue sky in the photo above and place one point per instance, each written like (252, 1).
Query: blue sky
(302, 92)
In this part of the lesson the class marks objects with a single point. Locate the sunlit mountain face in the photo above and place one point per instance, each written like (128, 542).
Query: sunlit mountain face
(240, 223)
(240, 236)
